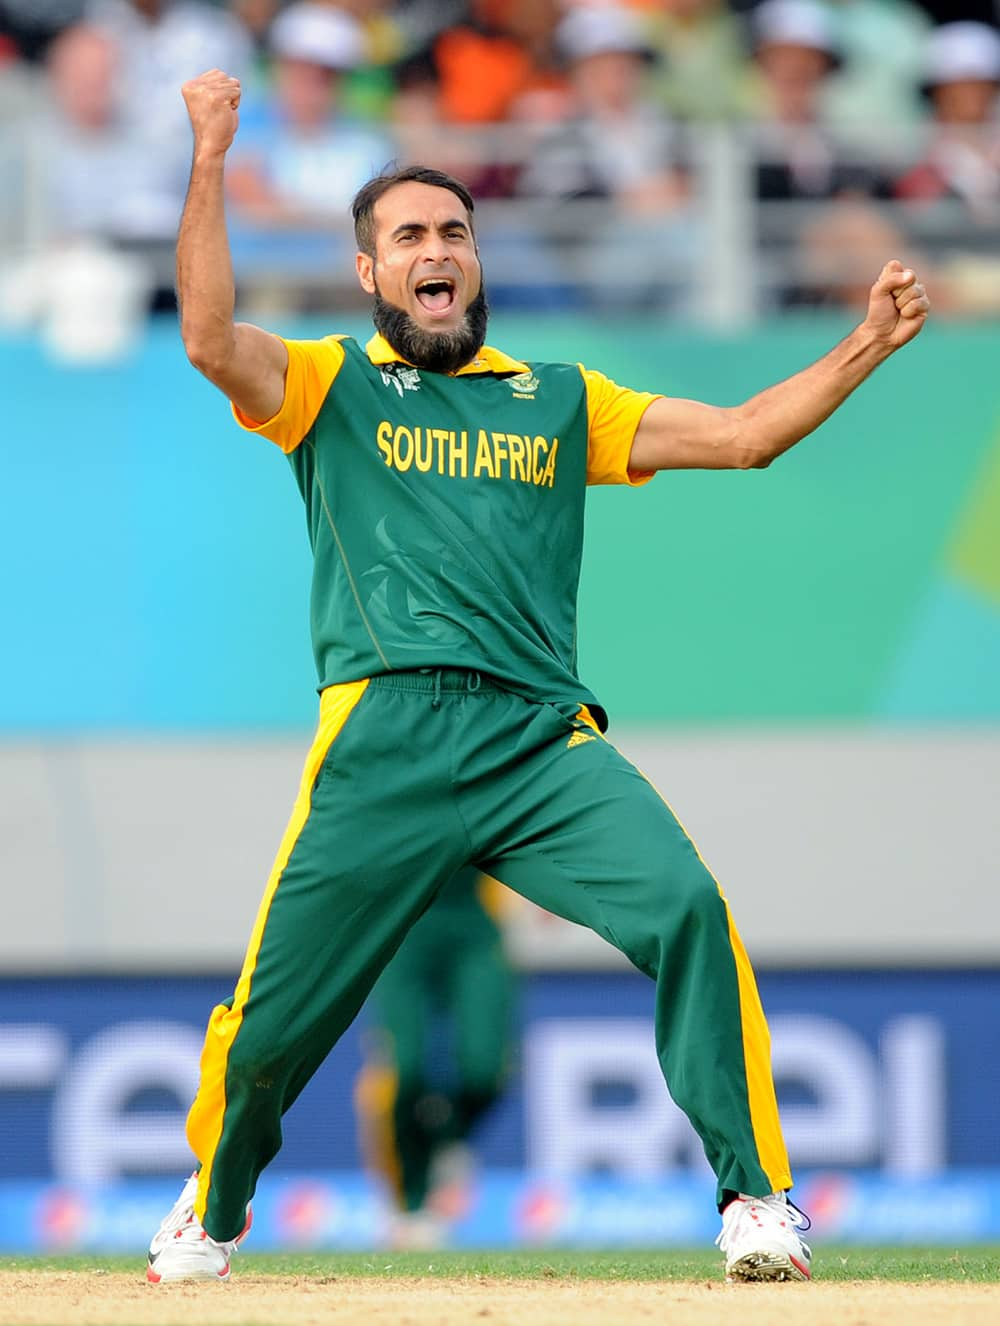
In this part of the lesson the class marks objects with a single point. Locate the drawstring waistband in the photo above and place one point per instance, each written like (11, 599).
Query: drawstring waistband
(437, 682)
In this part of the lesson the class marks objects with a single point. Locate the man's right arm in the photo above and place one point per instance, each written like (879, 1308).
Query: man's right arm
(244, 361)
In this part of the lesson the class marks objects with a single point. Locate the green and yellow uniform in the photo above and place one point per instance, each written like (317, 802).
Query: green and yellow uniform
(439, 1037)
(445, 513)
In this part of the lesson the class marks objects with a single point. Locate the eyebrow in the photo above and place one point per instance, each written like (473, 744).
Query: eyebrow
(453, 224)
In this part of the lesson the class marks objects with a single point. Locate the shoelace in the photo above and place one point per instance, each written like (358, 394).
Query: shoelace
(799, 1218)
(786, 1208)
(180, 1216)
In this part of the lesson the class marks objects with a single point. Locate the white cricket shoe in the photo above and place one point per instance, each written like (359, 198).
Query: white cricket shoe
(450, 1182)
(761, 1241)
(417, 1231)
(181, 1250)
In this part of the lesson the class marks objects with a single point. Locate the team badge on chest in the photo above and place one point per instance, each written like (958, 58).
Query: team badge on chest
(523, 385)
(400, 376)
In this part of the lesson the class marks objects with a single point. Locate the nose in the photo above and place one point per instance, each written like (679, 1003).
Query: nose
(435, 250)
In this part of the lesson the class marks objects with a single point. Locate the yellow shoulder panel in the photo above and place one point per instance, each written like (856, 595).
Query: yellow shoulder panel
(613, 415)
(312, 367)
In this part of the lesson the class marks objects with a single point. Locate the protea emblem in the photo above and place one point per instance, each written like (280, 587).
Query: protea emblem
(523, 384)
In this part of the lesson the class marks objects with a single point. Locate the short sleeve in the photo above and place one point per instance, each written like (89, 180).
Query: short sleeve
(613, 415)
(312, 367)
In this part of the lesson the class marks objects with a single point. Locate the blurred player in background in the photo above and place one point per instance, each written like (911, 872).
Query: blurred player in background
(444, 484)
(439, 1052)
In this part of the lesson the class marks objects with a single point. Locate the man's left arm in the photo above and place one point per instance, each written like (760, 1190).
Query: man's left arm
(678, 434)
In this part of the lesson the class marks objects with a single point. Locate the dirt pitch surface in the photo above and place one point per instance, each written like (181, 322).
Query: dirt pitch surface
(88, 1298)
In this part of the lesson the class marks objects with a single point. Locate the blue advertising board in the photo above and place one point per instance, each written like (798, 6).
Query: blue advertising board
(889, 1084)
(345, 1211)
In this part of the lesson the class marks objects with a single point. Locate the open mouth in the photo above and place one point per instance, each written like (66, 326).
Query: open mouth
(436, 294)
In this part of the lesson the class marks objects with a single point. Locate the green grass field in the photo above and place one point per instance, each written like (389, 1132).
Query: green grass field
(911, 1265)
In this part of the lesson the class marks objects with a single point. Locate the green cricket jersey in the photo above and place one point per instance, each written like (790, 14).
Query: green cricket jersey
(445, 511)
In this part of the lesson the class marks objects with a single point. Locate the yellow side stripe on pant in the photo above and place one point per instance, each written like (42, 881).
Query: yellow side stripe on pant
(771, 1152)
(757, 1057)
(375, 1096)
(204, 1124)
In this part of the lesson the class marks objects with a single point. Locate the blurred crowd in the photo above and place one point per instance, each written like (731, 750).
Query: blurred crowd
(581, 126)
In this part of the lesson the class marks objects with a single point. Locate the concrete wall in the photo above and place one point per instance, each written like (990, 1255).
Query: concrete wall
(840, 846)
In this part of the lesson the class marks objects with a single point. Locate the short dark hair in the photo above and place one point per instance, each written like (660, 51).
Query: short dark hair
(363, 206)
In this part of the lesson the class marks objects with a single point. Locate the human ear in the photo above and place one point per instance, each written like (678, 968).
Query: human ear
(366, 272)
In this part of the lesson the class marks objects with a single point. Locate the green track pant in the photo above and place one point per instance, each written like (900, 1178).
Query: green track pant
(439, 1040)
(412, 776)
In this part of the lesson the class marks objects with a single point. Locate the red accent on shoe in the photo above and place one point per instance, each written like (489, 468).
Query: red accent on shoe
(801, 1266)
(151, 1276)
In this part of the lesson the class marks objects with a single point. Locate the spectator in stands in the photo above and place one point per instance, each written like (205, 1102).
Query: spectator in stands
(469, 100)
(489, 65)
(110, 205)
(799, 157)
(163, 43)
(104, 178)
(835, 249)
(956, 184)
(703, 72)
(962, 160)
(300, 161)
(475, 154)
(366, 91)
(616, 146)
(873, 98)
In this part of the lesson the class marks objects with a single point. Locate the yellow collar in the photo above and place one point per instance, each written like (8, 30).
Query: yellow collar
(379, 351)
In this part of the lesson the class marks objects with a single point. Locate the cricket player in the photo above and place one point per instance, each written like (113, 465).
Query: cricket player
(444, 484)
(439, 1041)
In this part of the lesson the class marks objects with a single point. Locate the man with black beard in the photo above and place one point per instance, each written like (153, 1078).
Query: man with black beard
(436, 351)
(444, 486)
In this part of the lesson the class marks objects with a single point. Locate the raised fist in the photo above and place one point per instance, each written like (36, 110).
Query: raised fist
(212, 101)
(898, 305)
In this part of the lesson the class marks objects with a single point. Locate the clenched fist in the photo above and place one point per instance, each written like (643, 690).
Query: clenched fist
(898, 305)
(212, 101)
